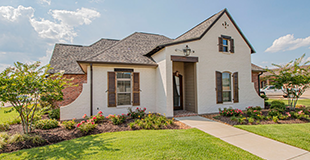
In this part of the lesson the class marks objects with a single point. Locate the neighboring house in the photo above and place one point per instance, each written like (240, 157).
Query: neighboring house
(206, 68)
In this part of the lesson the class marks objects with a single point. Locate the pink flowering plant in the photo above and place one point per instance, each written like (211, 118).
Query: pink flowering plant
(117, 119)
(138, 113)
(228, 112)
(86, 126)
(98, 118)
(254, 112)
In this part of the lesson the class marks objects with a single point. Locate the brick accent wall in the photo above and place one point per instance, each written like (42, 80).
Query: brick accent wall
(255, 80)
(71, 93)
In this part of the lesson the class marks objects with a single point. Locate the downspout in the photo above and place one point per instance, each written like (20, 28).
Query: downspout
(91, 89)
(259, 82)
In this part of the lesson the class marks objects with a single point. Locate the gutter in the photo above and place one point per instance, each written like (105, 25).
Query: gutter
(259, 82)
(91, 89)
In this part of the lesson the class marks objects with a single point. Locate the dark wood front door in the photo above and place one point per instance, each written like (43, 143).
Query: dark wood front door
(177, 91)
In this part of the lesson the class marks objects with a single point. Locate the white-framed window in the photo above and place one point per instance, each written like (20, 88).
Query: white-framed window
(225, 45)
(123, 88)
(226, 87)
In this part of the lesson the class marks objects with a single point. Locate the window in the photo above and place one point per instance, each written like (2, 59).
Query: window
(123, 88)
(226, 84)
(226, 44)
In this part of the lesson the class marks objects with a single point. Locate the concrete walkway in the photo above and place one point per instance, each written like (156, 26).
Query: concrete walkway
(258, 145)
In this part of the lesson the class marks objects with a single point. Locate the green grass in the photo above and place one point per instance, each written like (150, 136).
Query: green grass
(142, 144)
(305, 102)
(294, 134)
(5, 117)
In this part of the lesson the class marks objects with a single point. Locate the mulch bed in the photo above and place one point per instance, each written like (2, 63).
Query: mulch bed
(59, 134)
(228, 121)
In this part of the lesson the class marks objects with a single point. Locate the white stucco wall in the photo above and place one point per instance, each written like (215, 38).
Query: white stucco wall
(210, 60)
(80, 106)
(147, 85)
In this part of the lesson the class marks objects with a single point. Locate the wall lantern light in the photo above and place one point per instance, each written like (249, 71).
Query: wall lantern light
(187, 51)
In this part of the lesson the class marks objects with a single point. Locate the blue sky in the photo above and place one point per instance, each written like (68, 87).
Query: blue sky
(278, 30)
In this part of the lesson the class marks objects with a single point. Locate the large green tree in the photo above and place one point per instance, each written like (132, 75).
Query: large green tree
(293, 78)
(25, 85)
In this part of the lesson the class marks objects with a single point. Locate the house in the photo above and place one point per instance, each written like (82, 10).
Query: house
(206, 68)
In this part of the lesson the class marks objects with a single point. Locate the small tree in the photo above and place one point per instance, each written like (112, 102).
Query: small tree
(24, 86)
(293, 78)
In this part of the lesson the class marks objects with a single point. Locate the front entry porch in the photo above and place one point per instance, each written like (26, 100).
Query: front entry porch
(184, 87)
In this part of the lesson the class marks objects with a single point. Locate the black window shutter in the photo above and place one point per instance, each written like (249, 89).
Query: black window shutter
(136, 89)
(111, 89)
(236, 87)
(220, 44)
(232, 46)
(219, 88)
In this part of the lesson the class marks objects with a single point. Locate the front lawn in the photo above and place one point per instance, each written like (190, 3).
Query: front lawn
(142, 144)
(294, 134)
(305, 102)
(5, 117)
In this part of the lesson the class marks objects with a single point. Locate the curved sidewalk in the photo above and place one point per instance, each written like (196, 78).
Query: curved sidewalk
(258, 145)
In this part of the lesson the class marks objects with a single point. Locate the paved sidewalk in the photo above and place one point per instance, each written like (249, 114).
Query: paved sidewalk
(258, 145)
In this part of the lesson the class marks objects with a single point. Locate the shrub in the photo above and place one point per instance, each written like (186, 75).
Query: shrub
(86, 127)
(250, 120)
(16, 138)
(3, 139)
(138, 113)
(241, 120)
(257, 122)
(15, 121)
(4, 127)
(233, 118)
(118, 119)
(151, 121)
(254, 112)
(46, 124)
(35, 139)
(274, 112)
(69, 124)
(230, 112)
(278, 105)
(275, 119)
(282, 117)
(268, 117)
(98, 118)
(54, 113)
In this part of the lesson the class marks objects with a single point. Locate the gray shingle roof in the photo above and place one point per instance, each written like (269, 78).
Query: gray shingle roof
(65, 56)
(131, 49)
(257, 68)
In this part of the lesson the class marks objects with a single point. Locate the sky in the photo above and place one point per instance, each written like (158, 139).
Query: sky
(278, 30)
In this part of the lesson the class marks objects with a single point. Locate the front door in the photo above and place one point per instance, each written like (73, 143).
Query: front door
(177, 91)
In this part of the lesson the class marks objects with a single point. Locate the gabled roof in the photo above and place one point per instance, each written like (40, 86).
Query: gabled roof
(199, 31)
(256, 68)
(130, 50)
(65, 56)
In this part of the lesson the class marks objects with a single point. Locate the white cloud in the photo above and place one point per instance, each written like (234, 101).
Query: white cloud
(288, 42)
(264, 62)
(12, 14)
(75, 18)
(45, 1)
(55, 31)
(64, 31)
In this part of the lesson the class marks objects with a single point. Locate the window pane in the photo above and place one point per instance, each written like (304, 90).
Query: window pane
(226, 96)
(123, 75)
(225, 49)
(225, 42)
(123, 86)
(123, 99)
(226, 81)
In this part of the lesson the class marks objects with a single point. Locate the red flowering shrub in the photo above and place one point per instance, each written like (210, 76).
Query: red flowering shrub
(138, 113)
(230, 112)
(86, 126)
(116, 120)
(254, 112)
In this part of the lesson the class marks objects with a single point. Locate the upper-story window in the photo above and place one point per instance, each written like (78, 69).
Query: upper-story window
(226, 44)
